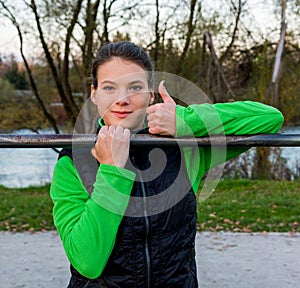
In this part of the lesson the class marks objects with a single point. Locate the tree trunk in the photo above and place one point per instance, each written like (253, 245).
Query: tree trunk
(65, 67)
(275, 83)
(157, 34)
(216, 74)
(34, 88)
(87, 58)
(191, 27)
(71, 110)
(235, 29)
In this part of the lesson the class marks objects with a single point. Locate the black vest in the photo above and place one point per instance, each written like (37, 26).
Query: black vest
(155, 241)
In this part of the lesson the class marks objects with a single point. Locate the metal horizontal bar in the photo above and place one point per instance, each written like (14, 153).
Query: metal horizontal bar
(63, 140)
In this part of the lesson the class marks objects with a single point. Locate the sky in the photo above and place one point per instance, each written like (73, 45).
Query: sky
(8, 39)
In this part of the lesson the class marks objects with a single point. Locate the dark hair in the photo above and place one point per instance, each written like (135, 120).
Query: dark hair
(125, 50)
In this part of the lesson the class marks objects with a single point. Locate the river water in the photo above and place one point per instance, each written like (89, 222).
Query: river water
(23, 167)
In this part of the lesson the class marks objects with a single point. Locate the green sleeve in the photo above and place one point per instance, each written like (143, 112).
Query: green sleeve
(233, 118)
(88, 225)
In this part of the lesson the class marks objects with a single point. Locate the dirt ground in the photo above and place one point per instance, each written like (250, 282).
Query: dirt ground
(235, 260)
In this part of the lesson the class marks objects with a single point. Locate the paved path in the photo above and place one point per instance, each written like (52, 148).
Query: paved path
(234, 260)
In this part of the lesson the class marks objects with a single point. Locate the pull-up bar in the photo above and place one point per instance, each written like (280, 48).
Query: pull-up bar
(63, 140)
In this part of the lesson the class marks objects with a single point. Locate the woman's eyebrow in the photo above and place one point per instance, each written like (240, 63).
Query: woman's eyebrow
(130, 83)
(136, 82)
(108, 82)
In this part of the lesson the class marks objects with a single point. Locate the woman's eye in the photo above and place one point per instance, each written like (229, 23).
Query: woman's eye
(136, 88)
(108, 88)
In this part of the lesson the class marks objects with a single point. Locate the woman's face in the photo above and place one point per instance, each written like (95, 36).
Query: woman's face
(122, 95)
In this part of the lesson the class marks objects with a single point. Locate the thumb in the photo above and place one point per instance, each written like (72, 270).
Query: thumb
(164, 93)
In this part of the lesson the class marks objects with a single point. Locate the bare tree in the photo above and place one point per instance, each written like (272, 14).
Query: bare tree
(116, 11)
(275, 83)
(67, 16)
(61, 79)
(216, 75)
(161, 25)
(87, 50)
(106, 13)
(237, 10)
(191, 24)
(157, 32)
(10, 15)
(219, 87)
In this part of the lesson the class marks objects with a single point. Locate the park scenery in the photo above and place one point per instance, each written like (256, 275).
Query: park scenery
(248, 50)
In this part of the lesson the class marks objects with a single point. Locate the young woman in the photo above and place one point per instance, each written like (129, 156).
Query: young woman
(124, 229)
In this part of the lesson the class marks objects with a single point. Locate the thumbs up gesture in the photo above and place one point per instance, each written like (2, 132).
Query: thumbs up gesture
(162, 116)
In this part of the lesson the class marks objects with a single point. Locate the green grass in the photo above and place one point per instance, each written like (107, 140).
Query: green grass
(25, 209)
(252, 206)
(236, 205)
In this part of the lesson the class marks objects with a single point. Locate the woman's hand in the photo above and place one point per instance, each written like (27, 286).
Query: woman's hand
(162, 116)
(112, 146)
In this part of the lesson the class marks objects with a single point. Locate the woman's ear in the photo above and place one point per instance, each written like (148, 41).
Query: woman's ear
(93, 94)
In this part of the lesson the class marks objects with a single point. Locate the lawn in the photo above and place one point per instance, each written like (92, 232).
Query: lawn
(236, 205)
(252, 206)
(25, 209)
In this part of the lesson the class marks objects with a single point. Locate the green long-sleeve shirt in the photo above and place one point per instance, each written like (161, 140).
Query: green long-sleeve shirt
(88, 228)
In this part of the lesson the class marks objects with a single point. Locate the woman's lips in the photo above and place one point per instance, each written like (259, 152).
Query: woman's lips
(121, 114)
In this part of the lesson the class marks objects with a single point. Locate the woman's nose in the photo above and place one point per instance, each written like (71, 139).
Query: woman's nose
(123, 97)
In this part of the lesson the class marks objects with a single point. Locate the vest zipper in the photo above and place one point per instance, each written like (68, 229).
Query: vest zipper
(147, 224)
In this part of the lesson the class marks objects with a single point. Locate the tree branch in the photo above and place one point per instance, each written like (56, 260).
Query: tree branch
(34, 88)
